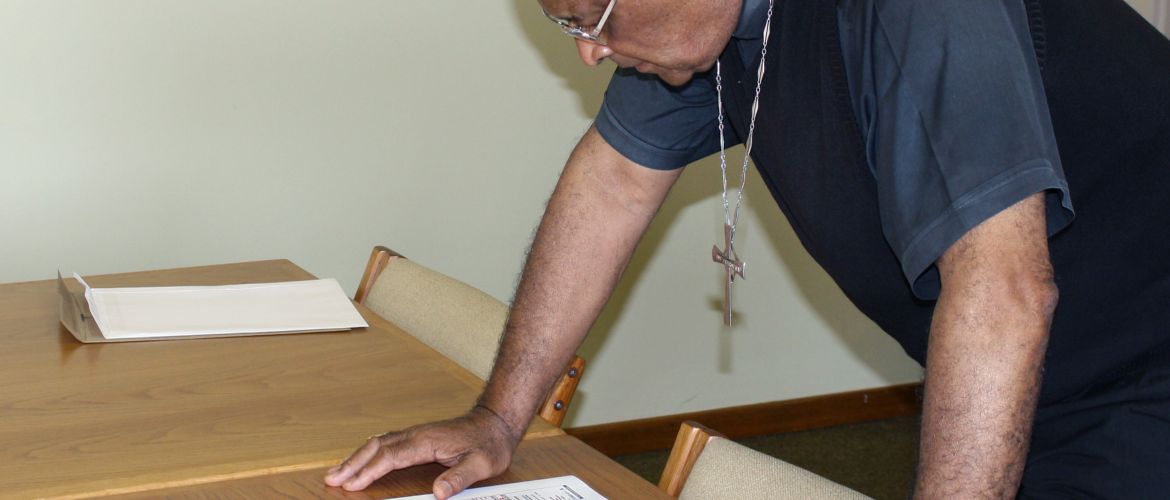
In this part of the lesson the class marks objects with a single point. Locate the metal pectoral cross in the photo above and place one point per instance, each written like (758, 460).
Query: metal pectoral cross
(733, 266)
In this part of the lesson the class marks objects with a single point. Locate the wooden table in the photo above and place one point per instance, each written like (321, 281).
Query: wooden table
(98, 419)
(536, 458)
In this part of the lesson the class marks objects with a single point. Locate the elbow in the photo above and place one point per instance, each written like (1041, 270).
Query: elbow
(1007, 306)
(1049, 299)
(1025, 308)
(1036, 296)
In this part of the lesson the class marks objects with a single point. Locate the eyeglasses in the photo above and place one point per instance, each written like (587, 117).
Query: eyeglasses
(579, 33)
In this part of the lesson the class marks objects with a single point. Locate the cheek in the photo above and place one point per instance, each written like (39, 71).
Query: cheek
(663, 53)
(682, 56)
(696, 56)
(706, 65)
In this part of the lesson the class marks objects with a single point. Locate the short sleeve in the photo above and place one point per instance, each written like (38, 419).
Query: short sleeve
(957, 124)
(659, 126)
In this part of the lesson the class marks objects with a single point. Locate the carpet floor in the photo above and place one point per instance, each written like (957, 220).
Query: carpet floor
(875, 458)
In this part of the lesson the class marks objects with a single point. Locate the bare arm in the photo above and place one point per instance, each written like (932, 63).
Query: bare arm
(598, 213)
(596, 216)
(987, 344)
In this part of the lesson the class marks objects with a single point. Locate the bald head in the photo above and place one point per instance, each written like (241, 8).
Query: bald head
(670, 38)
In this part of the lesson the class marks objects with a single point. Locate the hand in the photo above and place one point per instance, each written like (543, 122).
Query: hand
(476, 446)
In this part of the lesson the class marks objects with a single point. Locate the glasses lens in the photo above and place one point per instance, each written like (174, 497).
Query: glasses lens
(579, 33)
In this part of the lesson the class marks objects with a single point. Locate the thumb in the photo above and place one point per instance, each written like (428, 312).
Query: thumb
(472, 468)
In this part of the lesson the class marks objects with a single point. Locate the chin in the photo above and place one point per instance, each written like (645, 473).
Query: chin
(677, 79)
(684, 73)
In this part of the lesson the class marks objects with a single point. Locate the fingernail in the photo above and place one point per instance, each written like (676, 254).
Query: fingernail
(443, 489)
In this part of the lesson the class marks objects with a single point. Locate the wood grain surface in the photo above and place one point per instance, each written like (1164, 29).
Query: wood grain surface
(82, 420)
(535, 459)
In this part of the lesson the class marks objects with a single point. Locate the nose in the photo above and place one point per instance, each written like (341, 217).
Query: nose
(591, 53)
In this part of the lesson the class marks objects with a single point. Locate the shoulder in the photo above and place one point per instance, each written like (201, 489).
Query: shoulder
(657, 125)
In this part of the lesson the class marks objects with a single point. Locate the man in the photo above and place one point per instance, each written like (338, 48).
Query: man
(913, 145)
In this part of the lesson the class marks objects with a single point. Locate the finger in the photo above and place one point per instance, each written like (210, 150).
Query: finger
(399, 454)
(471, 469)
(342, 472)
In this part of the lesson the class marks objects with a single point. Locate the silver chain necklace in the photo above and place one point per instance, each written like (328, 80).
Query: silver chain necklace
(727, 257)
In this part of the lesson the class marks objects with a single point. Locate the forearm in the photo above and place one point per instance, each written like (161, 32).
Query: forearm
(984, 361)
(982, 381)
(598, 212)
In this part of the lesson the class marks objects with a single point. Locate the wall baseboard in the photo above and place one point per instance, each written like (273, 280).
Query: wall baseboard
(657, 433)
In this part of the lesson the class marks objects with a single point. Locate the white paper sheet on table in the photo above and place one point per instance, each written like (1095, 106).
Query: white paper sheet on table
(187, 311)
(553, 488)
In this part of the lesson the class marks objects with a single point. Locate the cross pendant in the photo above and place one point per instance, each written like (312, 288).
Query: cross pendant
(732, 265)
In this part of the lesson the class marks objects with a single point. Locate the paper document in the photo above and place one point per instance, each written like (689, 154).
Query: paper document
(186, 311)
(553, 488)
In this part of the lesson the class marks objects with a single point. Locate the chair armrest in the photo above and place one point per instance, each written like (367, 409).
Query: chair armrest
(557, 404)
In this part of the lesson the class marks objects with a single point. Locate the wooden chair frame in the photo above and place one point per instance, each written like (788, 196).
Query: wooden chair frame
(688, 445)
(556, 405)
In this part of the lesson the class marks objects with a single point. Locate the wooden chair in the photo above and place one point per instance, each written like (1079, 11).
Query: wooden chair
(456, 319)
(705, 465)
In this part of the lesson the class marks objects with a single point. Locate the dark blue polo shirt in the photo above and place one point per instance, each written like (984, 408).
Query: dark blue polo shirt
(947, 94)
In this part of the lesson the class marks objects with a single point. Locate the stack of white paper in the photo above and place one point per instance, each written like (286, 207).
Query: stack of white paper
(553, 488)
(186, 311)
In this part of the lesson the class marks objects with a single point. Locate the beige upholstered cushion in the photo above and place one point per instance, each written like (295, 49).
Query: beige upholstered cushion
(453, 317)
(726, 469)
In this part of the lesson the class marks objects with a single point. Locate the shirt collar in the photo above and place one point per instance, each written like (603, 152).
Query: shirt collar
(751, 20)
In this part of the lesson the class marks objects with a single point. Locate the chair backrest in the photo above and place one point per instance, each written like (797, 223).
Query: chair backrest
(711, 467)
(452, 317)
